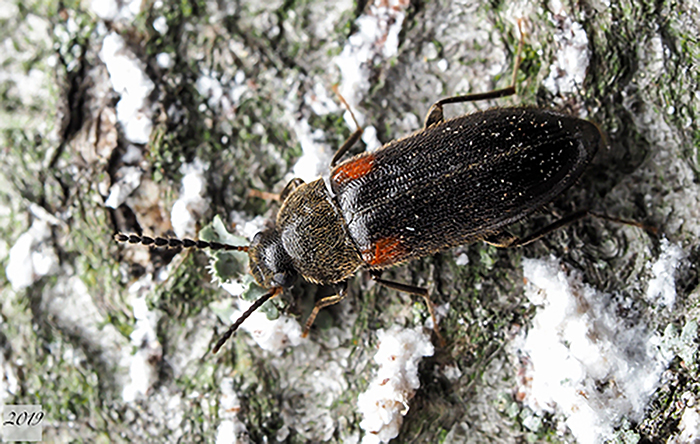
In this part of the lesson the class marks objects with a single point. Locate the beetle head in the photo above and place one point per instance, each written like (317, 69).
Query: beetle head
(270, 264)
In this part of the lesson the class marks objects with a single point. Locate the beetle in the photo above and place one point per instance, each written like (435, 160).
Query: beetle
(450, 183)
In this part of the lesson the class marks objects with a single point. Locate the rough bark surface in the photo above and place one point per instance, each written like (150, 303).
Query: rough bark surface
(66, 338)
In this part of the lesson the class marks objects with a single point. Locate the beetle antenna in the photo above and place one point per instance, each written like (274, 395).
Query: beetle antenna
(232, 329)
(176, 243)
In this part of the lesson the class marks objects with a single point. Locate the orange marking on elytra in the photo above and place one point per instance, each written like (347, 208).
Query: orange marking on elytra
(384, 252)
(354, 169)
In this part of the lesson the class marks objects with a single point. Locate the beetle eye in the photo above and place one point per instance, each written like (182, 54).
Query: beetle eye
(285, 280)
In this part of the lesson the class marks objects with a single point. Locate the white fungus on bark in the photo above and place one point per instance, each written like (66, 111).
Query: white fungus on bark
(385, 402)
(580, 358)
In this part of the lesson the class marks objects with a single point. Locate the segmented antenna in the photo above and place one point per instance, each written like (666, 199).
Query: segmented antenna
(175, 242)
(261, 300)
(201, 245)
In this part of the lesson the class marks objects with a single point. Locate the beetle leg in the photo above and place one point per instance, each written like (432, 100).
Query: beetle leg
(264, 195)
(281, 197)
(291, 186)
(323, 303)
(539, 234)
(435, 114)
(354, 137)
(419, 291)
(502, 241)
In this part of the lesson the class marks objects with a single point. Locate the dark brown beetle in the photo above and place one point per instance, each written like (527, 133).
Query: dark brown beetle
(451, 183)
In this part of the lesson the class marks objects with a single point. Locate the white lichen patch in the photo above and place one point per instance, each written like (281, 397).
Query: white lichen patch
(316, 155)
(385, 402)
(568, 70)
(689, 426)
(31, 257)
(128, 179)
(143, 364)
(129, 80)
(661, 288)
(375, 39)
(192, 203)
(230, 429)
(116, 10)
(9, 382)
(580, 359)
(223, 93)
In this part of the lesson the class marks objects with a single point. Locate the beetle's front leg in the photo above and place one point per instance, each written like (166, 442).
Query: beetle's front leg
(281, 197)
(291, 186)
(341, 292)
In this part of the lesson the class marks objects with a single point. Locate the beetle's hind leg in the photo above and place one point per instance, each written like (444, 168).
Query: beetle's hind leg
(418, 291)
(341, 290)
(507, 240)
(501, 239)
(435, 114)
